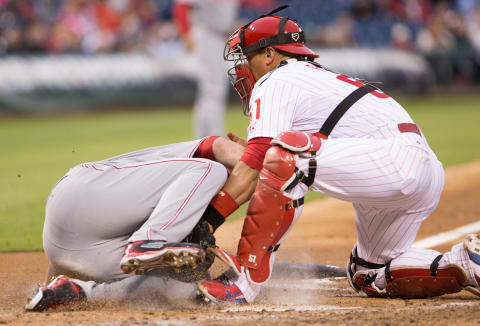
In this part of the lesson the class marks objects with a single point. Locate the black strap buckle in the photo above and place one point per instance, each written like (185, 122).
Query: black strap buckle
(300, 176)
(274, 248)
(294, 203)
(312, 170)
(434, 265)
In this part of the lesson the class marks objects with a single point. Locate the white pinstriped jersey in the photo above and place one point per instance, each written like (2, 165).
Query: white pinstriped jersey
(300, 96)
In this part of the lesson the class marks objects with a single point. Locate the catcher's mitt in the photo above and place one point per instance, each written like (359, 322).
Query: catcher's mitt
(201, 235)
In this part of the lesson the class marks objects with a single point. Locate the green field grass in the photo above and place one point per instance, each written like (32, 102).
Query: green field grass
(36, 152)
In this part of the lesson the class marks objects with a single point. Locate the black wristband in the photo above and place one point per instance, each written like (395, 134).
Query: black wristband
(213, 217)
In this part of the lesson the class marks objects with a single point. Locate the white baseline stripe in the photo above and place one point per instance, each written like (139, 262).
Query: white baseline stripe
(283, 308)
(445, 237)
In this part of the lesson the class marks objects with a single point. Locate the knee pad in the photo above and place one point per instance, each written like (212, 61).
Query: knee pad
(278, 168)
(411, 282)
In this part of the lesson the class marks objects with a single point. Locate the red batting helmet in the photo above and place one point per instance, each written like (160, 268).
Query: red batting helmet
(281, 33)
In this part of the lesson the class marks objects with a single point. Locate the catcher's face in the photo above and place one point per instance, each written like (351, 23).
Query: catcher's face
(262, 62)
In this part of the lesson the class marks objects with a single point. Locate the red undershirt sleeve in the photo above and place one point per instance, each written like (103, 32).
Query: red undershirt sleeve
(205, 149)
(255, 152)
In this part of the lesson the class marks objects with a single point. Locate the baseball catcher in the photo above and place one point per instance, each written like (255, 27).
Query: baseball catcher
(312, 128)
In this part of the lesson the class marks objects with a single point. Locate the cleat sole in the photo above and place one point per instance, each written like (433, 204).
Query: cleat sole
(175, 260)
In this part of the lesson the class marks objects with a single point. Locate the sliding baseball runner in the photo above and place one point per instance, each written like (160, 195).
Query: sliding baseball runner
(311, 128)
(110, 220)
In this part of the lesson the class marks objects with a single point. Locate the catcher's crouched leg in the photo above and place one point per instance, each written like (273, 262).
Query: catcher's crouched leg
(409, 282)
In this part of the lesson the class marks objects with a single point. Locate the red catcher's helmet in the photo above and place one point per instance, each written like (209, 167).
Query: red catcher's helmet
(281, 33)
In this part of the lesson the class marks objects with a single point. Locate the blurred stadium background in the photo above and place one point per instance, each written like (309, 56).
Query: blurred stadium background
(83, 54)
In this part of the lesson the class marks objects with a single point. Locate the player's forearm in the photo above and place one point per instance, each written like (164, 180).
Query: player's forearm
(237, 190)
(227, 152)
(241, 183)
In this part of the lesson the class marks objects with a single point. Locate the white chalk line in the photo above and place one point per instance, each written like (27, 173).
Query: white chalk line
(284, 308)
(303, 308)
(307, 284)
(445, 237)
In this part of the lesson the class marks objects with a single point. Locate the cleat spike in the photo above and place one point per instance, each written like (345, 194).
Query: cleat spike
(145, 255)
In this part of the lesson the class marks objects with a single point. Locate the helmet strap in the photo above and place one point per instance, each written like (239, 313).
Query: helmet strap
(281, 25)
(284, 38)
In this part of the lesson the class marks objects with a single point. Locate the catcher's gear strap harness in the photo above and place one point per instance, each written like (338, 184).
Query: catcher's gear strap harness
(343, 107)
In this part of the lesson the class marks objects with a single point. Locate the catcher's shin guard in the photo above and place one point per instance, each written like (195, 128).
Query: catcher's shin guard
(409, 282)
(269, 215)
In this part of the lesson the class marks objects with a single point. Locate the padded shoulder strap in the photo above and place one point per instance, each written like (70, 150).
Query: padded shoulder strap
(343, 107)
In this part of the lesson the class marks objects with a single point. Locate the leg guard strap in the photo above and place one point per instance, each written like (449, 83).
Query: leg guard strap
(301, 177)
(410, 282)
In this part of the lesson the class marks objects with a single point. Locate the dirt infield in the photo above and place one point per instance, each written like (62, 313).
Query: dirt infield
(324, 235)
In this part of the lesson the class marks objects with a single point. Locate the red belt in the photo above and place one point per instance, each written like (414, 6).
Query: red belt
(402, 127)
(409, 127)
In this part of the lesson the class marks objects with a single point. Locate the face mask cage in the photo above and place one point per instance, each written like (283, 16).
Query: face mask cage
(239, 75)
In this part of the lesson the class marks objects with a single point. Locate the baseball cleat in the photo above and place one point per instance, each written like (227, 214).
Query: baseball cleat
(472, 246)
(61, 291)
(146, 255)
(220, 290)
(227, 258)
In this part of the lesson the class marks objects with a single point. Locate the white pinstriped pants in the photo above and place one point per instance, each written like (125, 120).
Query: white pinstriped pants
(394, 184)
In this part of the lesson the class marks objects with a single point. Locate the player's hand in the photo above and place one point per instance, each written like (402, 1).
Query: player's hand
(236, 139)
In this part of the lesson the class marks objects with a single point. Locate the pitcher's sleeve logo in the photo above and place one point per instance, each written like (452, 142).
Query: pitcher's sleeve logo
(295, 36)
(252, 258)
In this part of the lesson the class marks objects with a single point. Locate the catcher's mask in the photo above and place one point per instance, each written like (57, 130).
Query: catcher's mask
(281, 33)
